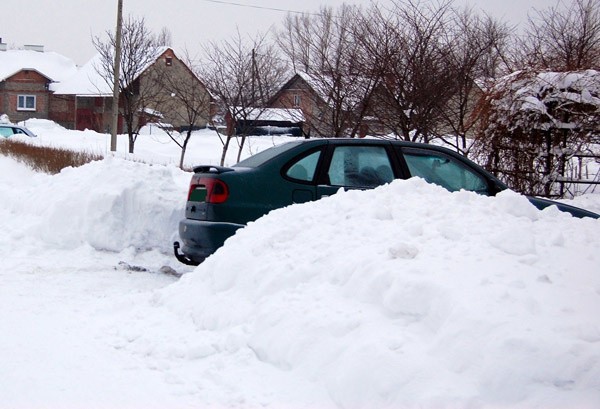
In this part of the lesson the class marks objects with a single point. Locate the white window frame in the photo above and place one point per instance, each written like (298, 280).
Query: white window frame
(22, 102)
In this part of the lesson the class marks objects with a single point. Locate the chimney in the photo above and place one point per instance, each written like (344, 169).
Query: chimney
(34, 47)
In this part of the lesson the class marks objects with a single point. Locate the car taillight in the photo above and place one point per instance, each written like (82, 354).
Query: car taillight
(208, 190)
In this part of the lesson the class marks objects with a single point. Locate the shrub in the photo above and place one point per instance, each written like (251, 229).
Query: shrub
(43, 158)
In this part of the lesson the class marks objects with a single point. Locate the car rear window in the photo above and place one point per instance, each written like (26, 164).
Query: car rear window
(266, 155)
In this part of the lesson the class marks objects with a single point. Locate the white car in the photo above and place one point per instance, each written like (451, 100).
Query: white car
(7, 130)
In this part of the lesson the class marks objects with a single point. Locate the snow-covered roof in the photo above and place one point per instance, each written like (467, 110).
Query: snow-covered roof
(352, 87)
(50, 64)
(269, 114)
(85, 82)
(88, 82)
(322, 89)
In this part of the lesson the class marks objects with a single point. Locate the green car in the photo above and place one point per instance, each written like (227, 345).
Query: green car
(222, 200)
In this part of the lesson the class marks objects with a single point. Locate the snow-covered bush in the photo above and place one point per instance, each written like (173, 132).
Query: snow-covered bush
(536, 126)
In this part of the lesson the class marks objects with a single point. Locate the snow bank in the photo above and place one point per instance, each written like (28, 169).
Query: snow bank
(404, 296)
(110, 205)
(152, 145)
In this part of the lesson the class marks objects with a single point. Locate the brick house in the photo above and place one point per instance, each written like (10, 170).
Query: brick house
(299, 92)
(46, 85)
(312, 95)
(85, 100)
(26, 77)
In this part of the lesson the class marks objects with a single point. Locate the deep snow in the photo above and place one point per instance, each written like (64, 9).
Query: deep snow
(404, 296)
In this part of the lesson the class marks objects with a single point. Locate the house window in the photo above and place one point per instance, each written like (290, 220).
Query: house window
(169, 61)
(297, 100)
(26, 103)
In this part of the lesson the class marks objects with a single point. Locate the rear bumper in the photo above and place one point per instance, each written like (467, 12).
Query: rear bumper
(200, 239)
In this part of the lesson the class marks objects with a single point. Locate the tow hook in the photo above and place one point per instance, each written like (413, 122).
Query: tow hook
(182, 258)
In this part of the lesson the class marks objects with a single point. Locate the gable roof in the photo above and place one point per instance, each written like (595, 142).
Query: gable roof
(85, 82)
(324, 86)
(320, 86)
(88, 82)
(310, 81)
(51, 65)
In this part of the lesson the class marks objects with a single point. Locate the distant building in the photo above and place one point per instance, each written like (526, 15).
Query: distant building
(26, 79)
(313, 96)
(46, 85)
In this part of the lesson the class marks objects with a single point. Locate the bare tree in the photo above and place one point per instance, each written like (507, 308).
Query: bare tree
(325, 49)
(243, 75)
(139, 51)
(418, 80)
(563, 38)
(536, 120)
(164, 38)
(475, 56)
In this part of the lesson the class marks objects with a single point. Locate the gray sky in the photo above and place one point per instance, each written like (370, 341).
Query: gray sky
(67, 26)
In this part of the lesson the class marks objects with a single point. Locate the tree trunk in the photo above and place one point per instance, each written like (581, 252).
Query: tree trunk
(239, 155)
(131, 143)
(188, 135)
(225, 147)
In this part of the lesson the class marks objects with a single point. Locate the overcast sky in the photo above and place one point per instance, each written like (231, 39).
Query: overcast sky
(67, 26)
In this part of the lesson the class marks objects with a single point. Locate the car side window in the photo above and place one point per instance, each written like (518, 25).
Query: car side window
(443, 170)
(305, 168)
(360, 166)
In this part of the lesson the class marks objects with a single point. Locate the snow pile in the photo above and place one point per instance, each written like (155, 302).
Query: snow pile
(45, 126)
(109, 205)
(405, 296)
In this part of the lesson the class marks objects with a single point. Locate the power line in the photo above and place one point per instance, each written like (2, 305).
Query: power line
(230, 3)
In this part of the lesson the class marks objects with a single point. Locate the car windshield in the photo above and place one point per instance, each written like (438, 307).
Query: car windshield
(266, 155)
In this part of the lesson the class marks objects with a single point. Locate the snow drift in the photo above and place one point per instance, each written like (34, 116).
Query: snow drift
(110, 205)
(405, 296)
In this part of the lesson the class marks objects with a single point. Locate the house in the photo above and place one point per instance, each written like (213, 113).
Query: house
(329, 107)
(302, 92)
(26, 78)
(46, 85)
(87, 96)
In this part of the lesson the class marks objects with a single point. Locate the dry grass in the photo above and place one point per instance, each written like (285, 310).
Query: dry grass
(43, 158)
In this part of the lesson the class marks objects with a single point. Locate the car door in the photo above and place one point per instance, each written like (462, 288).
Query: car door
(300, 174)
(355, 166)
(451, 172)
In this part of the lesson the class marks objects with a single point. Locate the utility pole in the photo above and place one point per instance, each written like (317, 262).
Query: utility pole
(117, 73)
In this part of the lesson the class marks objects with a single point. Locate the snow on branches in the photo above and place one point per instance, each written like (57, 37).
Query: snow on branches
(533, 123)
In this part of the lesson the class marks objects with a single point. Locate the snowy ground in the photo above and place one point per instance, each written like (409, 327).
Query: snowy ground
(401, 297)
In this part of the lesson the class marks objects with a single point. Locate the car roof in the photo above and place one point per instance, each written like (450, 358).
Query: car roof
(22, 128)
(373, 141)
